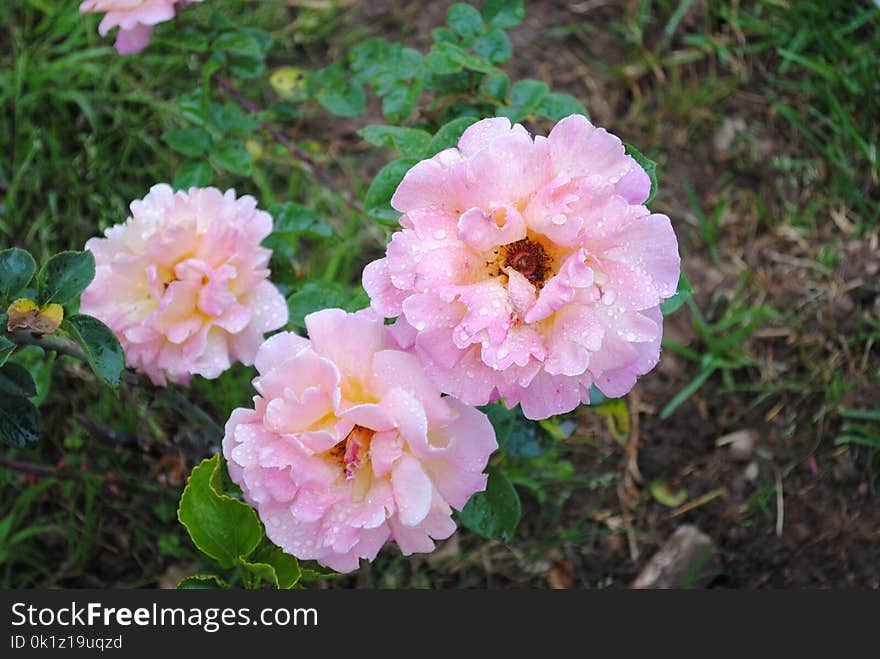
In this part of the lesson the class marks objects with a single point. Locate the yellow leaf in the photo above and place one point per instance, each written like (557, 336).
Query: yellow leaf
(290, 83)
(254, 148)
(27, 315)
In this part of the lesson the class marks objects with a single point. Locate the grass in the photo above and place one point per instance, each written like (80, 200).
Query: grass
(723, 342)
(761, 344)
(820, 63)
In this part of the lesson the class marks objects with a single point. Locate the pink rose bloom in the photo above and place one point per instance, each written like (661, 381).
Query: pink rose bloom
(349, 444)
(135, 19)
(528, 268)
(183, 283)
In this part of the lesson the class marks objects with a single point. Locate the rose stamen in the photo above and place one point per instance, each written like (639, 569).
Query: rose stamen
(529, 258)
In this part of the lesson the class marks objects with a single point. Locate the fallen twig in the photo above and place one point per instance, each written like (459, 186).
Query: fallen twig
(699, 501)
(780, 503)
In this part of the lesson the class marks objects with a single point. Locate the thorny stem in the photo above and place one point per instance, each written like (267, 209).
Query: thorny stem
(64, 346)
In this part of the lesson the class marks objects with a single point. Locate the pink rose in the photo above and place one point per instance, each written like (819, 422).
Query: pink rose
(528, 268)
(349, 444)
(135, 19)
(183, 283)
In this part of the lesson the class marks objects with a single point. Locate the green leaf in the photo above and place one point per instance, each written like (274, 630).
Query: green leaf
(411, 142)
(233, 156)
(345, 101)
(193, 174)
(448, 135)
(380, 64)
(189, 37)
(596, 397)
(192, 142)
(192, 107)
(517, 436)
(494, 46)
(319, 294)
(224, 528)
(273, 565)
(19, 424)
(495, 512)
(439, 62)
(6, 346)
(15, 380)
(502, 420)
(525, 98)
(528, 439)
(311, 575)
(17, 268)
(528, 92)
(202, 582)
(446, 58)
(377, 202)
(247, 66)
(557, 106)
(648, 165)
(504, 13)
(290, 217)
(538, 475)
(100, 345)
(672, 304)
(229, 119)
(464, 20)
(263, 39)
(245, 42)
(262, 571)
(444, 34)
(65, 276)
(39, 363)
(400, 100)
(496, 86)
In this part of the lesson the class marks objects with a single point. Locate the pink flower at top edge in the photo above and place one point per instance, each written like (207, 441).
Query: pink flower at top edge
(349, 445)
(183, 283)
(528, 268)
(134, 18)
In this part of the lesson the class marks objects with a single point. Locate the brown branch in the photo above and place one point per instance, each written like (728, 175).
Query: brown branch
(37, 470)
(315, 167)
(52, 342)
